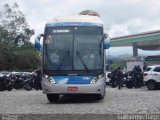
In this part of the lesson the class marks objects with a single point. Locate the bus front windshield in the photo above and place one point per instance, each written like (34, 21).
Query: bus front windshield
(73, 48)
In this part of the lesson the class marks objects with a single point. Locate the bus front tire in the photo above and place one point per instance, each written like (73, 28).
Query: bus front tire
(52, 97)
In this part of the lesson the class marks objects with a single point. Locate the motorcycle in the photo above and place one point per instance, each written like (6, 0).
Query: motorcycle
(134, 78)
(128, 81)
(20, 83)
(6, 82)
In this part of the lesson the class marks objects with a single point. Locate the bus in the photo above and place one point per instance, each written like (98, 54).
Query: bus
(73, 57)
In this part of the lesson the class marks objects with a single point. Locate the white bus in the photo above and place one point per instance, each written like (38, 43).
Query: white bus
(74, 57)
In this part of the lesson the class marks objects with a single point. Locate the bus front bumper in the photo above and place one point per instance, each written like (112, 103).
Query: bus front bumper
(97, 88)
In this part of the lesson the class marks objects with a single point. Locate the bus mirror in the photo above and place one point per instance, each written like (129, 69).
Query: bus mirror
(37, 45)
(106, 42)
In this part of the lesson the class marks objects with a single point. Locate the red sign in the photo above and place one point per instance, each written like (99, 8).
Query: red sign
(72, 89)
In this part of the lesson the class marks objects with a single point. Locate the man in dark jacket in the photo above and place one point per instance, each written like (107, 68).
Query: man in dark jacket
(137, 76)
(113, 78)
(37, 81)
(119, 78)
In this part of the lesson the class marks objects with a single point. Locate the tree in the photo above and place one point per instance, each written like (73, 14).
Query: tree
(14, 27)
(27, 60)
(16, 52)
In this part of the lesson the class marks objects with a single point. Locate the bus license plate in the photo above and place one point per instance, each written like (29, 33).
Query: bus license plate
(72, 88)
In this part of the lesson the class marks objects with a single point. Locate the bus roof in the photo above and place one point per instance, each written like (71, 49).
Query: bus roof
(79, 20)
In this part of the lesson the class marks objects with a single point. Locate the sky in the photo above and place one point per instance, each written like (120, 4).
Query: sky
(121, 17)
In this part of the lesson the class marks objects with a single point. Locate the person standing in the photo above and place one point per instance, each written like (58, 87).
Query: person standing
(119, 77)
(37, 81)
(113, 78)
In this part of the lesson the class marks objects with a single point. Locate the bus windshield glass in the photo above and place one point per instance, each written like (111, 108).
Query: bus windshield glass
(73, 48)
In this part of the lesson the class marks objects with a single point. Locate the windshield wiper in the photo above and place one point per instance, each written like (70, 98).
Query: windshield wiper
(82, 61)
(61, 63)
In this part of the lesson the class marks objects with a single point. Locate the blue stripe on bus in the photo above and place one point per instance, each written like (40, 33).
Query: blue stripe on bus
(72, 24)
(72, 79)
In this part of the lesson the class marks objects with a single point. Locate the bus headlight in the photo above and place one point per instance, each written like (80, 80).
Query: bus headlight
(95, 79)
(50, 79)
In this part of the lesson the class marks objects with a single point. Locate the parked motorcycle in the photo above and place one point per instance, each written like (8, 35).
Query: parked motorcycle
(20, 83)
(6, 83)
(128, 81)
(134, 78)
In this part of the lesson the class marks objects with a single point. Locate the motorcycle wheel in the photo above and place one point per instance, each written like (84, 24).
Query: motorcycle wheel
(129, 85)
(28, 87)
(10, 88)
(1, 87)
(16, 86)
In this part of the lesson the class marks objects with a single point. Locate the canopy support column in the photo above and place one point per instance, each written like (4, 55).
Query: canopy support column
(135, 49)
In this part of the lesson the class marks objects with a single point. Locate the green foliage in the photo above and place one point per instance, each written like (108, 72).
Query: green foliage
(27, 60)
(23, 58)
(114, 65)
(118, 63)
(16, 52)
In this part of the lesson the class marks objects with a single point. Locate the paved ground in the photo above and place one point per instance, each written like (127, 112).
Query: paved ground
(122, 101)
